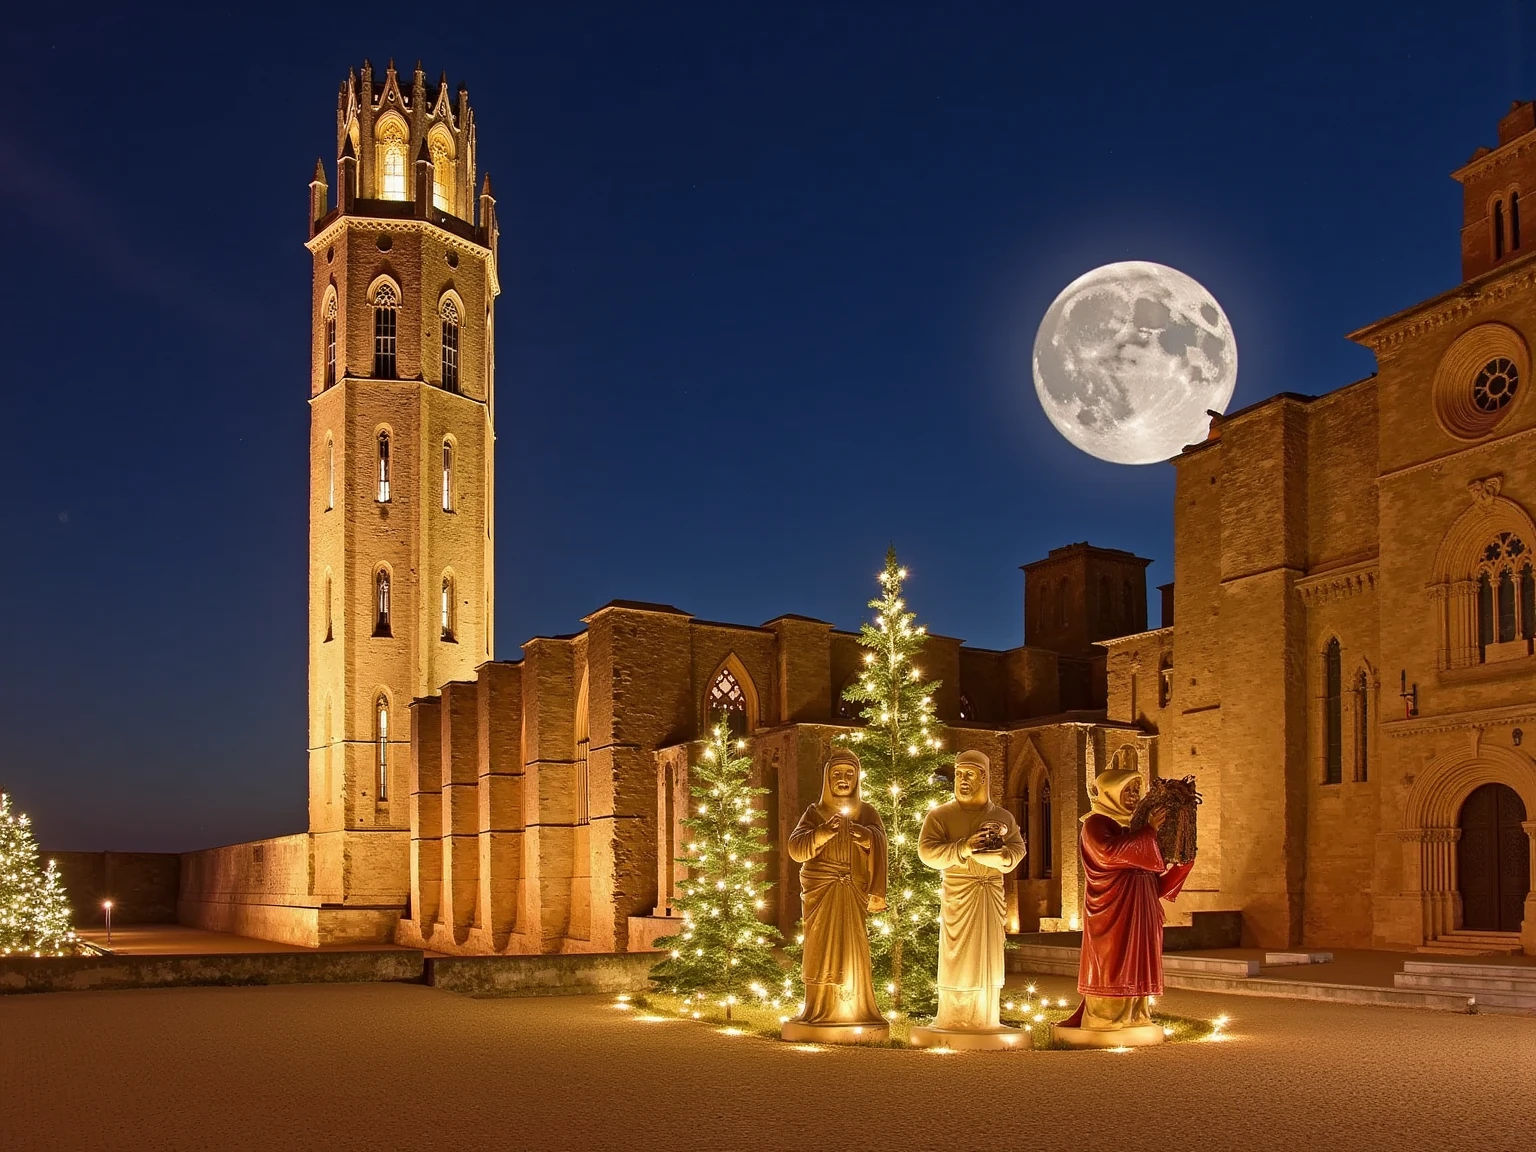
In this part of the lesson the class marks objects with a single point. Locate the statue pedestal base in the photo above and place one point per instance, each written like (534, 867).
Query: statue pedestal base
(1139, 1036)
(800, 1033)
(1002, 1039)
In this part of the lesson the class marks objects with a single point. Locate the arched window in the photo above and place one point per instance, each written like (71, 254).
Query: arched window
(1506, 594)
(726, 696)
(450, 318)
(844, 708)
(392, 166)
(1514, 221)
(1164, 681)
(442, 174)
(1333, 720)
(1362, 724)
(381, 744)
(386, 306)
(381, 603)
(383, 467)
(447, 475)
(447, 608)
(330, 472)
(1047, 861)
(329, 632)
(1498, 229)
(966, 711)
(330, 341)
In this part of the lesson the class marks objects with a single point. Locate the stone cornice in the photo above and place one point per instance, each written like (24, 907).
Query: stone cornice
(1338, 583)
(1477, 718)
(1386, 336)
(339, 225)
(1134, 637)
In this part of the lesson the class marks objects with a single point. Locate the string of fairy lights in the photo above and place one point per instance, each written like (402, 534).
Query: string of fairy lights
(34, 908)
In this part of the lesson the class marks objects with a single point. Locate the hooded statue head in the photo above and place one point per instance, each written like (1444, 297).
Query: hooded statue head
(1114, 794)
(840, 783)
(972, 779)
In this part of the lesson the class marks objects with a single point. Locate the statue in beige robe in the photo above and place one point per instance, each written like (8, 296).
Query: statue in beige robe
(973, 843)
(840, 847)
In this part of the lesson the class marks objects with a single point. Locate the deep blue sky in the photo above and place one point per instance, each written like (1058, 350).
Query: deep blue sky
(759, 263)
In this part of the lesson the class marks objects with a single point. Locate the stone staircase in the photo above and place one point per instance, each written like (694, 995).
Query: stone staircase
(1485, 987)
(1468, 943)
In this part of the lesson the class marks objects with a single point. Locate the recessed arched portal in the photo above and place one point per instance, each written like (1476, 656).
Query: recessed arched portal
(1492, 859)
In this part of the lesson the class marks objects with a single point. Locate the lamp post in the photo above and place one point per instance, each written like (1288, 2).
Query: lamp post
(106, 906)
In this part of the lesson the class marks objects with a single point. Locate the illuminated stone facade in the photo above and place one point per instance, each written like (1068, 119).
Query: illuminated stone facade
(1331, 551)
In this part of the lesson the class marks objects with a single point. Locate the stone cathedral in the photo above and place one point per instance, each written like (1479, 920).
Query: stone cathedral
(1345, 664)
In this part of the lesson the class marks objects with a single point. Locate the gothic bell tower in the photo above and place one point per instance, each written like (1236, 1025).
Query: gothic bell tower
(401, 474)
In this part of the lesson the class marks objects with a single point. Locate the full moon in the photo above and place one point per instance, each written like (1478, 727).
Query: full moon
(1128, 359)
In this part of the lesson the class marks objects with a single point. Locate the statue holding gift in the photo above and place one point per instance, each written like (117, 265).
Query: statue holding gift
(840, 847)
(1136, 851)
(974, 843)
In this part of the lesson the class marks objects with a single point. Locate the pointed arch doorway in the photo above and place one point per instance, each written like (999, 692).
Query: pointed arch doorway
(1493, 859)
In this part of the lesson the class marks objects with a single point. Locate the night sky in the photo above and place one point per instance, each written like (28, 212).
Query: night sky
(764, 271)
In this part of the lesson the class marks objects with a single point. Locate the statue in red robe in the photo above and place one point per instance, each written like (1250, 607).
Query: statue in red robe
(1126, 877)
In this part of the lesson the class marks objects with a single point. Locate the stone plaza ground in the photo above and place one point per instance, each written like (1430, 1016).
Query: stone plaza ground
(404, 1066)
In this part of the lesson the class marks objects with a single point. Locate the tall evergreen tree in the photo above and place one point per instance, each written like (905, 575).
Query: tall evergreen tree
(34, 910)
(902, 753)
(723, 951)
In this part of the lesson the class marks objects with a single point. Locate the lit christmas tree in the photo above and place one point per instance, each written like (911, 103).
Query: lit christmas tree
(724, 952)
(902, 753)
(34, 912)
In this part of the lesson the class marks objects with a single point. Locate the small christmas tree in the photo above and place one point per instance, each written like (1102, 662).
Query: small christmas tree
(724, 951)
(34, 909)
(901, 752)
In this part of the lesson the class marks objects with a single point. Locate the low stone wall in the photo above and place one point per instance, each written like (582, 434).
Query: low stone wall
(142, 886)
(604, 972)
(260, 889)
(86, 973)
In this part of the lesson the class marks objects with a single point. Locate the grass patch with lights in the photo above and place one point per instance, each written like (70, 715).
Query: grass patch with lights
(763, 1018)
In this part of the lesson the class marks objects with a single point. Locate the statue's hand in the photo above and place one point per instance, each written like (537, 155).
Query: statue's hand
(861, 835)
(990, 860)
(1157, 818)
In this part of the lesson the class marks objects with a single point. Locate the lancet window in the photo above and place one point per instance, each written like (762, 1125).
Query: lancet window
(1333, 719)
(330, 341)
(447, 608)
(381, 744)
(381, 603)
(447, 475)
(383, 468)
(392, 166)
(1362, 725)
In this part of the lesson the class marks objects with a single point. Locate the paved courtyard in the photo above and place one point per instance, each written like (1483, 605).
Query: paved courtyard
(404, 1066)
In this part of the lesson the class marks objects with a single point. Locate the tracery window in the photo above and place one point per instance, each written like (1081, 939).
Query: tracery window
(381, 603)
(450, 344)
(1495, 384)
(726, 696)
(330, 342)
(442, 176)
(383, 468)
(392, 166)
(1333, 727)
(1506, 593)
(385, 323)
(381, 744)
